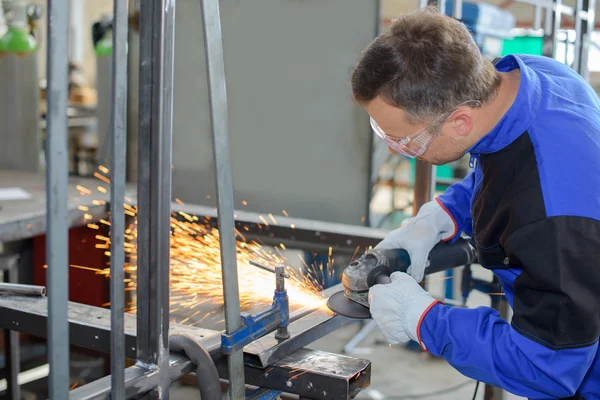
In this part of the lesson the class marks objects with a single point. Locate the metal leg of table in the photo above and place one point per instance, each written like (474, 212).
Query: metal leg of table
(11, 338)
(360, 336)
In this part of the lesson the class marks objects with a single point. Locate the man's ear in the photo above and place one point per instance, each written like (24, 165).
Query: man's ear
(460, 122)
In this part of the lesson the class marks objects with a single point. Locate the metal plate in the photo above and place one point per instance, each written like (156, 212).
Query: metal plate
(341, 305)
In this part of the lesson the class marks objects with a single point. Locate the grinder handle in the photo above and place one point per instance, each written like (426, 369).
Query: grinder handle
(442, 257)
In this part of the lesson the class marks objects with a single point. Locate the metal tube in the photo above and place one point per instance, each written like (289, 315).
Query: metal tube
(220, 130)
(458, 8)
(12, 352)
(118, 144)
(262, 266)
(157, 33)
(578, 37)
(424, 184)
(537, 18)
(57, 248)
(441, 6)
(21, 289)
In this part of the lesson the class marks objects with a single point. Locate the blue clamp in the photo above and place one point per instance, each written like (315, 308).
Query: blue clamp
(255, 326)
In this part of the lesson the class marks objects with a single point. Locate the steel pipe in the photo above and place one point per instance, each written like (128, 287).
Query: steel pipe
(118, 142)
(157, 19)
(21, 289)
(215, 66)
(57, 172)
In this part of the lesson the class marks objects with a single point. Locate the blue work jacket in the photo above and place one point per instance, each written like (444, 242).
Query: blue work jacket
(531, 205)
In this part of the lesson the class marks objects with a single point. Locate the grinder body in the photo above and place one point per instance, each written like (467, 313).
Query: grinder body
(376, 266)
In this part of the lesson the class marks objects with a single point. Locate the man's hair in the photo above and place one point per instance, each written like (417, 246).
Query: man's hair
(427, 64)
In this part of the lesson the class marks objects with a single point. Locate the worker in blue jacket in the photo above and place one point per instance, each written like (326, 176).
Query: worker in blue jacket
(531, 203)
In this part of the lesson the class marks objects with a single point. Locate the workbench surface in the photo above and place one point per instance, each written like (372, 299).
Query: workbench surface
(22, 219)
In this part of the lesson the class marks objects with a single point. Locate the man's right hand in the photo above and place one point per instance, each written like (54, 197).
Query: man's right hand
(419, 234)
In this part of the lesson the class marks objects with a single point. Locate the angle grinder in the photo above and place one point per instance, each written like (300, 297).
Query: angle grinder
(376, 266)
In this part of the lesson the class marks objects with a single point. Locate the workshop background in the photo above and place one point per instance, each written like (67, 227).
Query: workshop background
(300, 151)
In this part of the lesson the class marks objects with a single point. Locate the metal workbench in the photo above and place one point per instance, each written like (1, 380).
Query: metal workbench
(23, 219)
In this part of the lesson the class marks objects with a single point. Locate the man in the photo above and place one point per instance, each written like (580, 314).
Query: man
(531, 204)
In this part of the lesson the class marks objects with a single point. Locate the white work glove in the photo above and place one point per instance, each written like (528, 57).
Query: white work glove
(398, 307)
(419, 234)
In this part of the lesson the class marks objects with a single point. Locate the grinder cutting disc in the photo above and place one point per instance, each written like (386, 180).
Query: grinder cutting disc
(339, 304)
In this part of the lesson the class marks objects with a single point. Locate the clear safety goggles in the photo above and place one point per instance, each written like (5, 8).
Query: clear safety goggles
(415, 144)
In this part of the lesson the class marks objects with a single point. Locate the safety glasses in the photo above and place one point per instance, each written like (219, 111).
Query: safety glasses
(417, 143)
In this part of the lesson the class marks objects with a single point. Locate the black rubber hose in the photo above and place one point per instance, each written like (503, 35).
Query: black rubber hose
(206, 371)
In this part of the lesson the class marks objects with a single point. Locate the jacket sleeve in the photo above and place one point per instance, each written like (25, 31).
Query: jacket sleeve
(456, 201)
(548, 348)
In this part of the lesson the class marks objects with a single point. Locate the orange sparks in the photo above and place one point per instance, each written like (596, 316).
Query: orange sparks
(244, 202)
(103, 169)
(273, 219)
(263, 220)
(293, 226)
(101, 189)
(101, 177)
(82, 208)
(87, 216)
(83, 190)
(195, 268)
(285, 213)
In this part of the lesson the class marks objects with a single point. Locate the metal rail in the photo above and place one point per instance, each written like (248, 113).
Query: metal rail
(57, 171)
(157, 35)
(215, 66)
(118, 141)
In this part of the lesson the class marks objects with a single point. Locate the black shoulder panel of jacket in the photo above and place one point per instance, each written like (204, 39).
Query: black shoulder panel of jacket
(510, 195)
(557, 296)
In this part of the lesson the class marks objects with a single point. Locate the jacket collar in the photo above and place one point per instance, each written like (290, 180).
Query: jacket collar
(519, 116)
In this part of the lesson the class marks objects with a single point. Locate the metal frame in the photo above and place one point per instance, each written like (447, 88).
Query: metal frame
(145, 337)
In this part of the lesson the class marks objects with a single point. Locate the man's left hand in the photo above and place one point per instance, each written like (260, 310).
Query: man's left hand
(398, 307)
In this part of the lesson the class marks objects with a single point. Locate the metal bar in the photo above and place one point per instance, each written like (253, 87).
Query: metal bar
(262, 266)
(424, 184)
(137, 380)
(537, 18)
(57, 171)
(458, 8)
(11, 341)
(118, 165)
(217, 89)
(441, 6)
(22, 289)
(300, 232)
(154, 184)
(578, 37)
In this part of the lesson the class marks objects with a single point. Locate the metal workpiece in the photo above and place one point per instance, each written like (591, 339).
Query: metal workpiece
(217, 93)
(118, 148)
(22, 289)
(57, 171)
(157, 19)
(312, 374)
(268, 350)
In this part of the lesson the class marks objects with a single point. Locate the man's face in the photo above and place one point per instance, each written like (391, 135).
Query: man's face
(445, 147)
